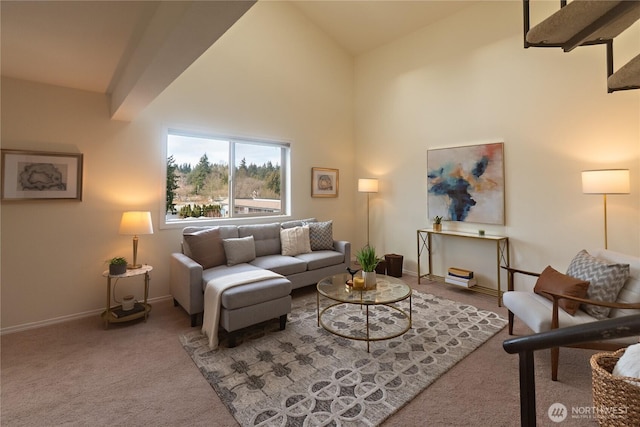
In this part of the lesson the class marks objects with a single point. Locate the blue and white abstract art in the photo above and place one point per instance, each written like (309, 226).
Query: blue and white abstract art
(467, 183)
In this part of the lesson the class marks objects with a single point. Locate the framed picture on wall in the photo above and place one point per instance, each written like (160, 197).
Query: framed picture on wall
(40, 175)
(324, 182)
(467, 183)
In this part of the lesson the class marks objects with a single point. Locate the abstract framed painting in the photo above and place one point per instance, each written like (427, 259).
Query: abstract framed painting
(466, 183)
(324, 182)
(41, 175)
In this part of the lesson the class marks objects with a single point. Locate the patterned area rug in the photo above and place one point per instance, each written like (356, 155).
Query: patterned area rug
(306, 376)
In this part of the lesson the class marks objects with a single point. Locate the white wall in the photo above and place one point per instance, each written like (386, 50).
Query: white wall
(274, 75)
(468, 80)
(271, 76)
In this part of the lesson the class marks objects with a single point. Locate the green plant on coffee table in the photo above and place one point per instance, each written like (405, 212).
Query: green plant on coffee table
(367, 258)
(437, 219)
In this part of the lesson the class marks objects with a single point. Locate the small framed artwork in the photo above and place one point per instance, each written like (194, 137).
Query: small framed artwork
(40, 175)
(324, 182)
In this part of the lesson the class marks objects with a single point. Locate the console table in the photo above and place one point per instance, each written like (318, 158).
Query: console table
(501, 244)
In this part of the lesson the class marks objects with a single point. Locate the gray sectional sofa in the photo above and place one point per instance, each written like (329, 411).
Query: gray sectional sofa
(213, 252)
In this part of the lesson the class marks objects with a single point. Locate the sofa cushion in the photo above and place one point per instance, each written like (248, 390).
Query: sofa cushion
(239, 250)
(606, 280)
(296, 223)
(295, 241)
(224, 270)
(205, 247)
(321, 235)
(255, 293)
(321, 259)
(552, 280)
(280, 264)
(226, 231)
(266, 237)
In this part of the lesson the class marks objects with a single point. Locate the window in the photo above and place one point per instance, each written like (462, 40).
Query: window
(211, 177)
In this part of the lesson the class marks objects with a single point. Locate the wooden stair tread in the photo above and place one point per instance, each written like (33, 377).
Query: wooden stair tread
(584, 21)
(627, 77)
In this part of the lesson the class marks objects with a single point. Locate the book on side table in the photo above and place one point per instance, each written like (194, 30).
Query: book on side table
(118, 312)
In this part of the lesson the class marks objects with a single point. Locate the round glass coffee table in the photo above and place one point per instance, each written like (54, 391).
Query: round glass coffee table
(393, 320)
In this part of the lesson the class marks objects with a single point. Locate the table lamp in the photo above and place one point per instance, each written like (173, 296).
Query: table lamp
(135, 223)
(606, 181)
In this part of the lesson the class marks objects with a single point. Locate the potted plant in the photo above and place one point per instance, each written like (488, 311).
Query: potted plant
(117, 265)
(437, 223)
(368, 260)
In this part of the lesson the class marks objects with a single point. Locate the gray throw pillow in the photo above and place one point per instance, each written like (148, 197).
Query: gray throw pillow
(321, 235)
(239, 250)
(606, 279)
(205, 247)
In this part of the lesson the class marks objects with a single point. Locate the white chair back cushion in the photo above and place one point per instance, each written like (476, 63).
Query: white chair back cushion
(630, 292)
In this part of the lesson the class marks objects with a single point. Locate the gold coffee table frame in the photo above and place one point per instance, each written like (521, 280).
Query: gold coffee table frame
(389, 290)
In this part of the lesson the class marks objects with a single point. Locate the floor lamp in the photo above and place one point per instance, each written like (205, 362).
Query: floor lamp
(607, 181)
(368, 185)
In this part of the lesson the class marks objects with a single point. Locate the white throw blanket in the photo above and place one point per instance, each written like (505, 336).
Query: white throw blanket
(212, 300)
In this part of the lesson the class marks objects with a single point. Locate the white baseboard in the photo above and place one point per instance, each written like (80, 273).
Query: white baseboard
(62, 319)
(97, 312)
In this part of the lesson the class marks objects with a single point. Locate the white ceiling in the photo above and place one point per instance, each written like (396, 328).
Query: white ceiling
(360, 26)
(72, 44)
(88, 45)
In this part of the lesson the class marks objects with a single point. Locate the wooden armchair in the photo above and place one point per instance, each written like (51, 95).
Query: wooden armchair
(542, 313)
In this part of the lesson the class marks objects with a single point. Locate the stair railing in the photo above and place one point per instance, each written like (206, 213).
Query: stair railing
(603, 330)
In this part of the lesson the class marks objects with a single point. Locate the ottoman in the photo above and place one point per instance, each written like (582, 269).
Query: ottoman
(256, 302)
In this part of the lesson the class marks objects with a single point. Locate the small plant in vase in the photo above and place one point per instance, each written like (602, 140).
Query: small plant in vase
(437, 223)
(368, 260)
(117, 265)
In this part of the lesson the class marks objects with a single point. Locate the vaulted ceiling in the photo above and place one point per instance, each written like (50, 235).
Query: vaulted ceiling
(129, 50)
(132, 50)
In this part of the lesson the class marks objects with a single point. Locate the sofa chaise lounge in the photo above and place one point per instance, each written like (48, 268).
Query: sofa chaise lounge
(209, 253)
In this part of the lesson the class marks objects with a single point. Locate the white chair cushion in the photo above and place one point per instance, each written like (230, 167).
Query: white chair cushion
(536, 312)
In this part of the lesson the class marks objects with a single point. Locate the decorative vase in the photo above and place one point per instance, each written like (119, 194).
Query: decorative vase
(128, 302)
(117, 269)
(369, 279)
(437, 227)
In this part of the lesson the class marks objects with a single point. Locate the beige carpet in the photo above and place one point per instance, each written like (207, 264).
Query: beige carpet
(77, 373)
(306, 376)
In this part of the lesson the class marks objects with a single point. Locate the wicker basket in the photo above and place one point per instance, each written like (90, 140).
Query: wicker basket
(616, 400)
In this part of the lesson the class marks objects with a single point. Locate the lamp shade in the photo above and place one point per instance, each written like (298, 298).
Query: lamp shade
(136, 222)
(606, 181)
(368, 185)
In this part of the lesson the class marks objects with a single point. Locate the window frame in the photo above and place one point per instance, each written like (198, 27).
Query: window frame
(233, 218)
